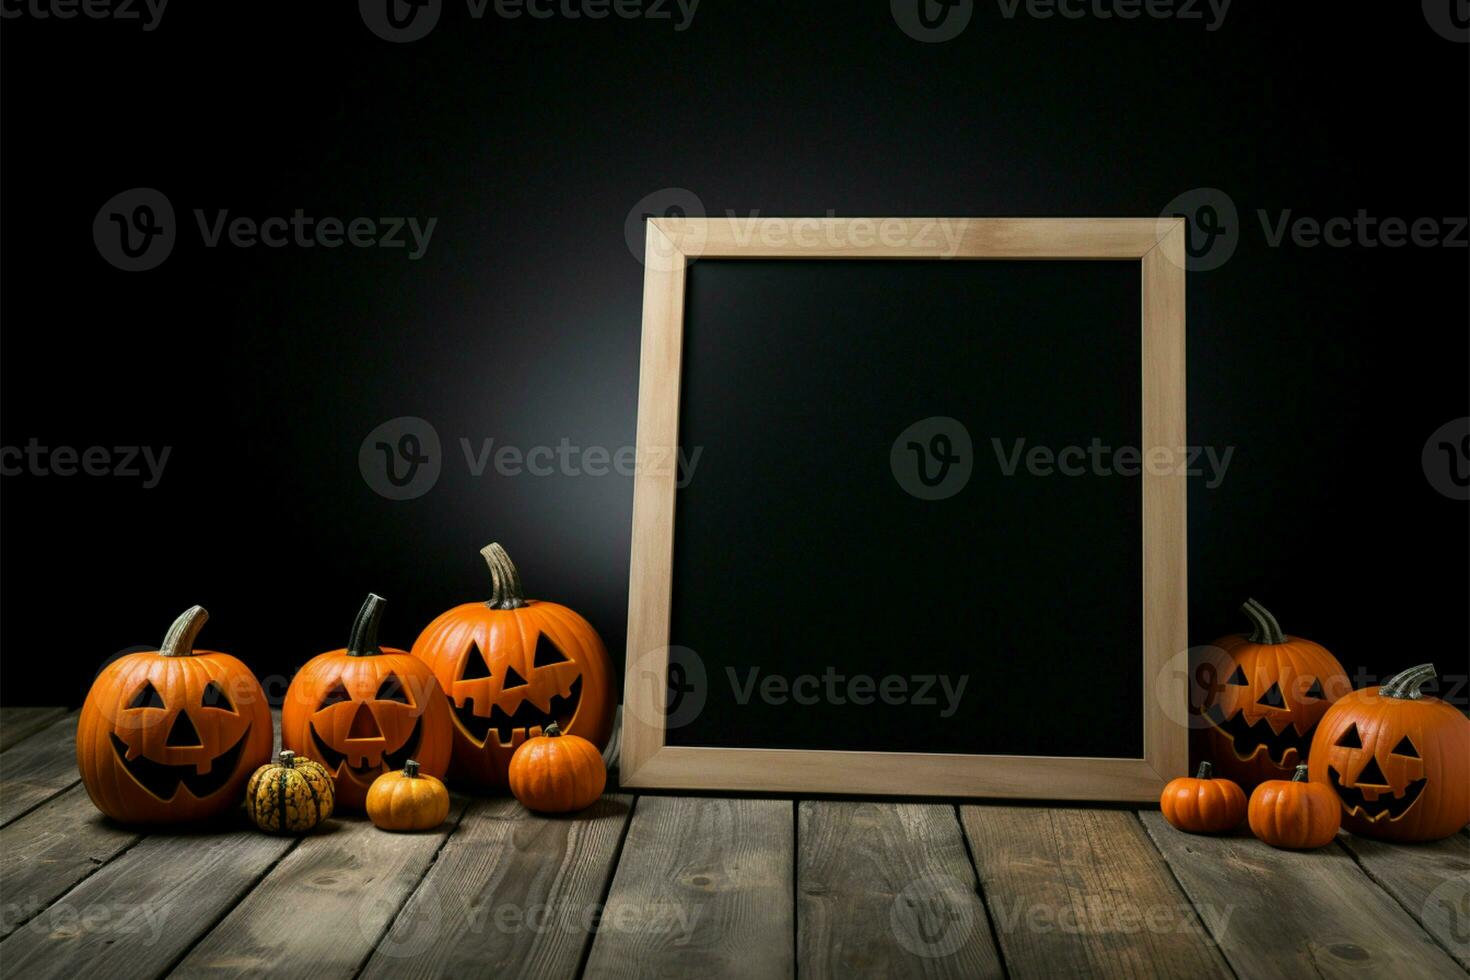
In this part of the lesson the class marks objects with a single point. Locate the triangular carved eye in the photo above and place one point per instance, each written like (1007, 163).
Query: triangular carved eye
(1372, 775)
(147, 698)
(512, 679)
(475, 667)
(214, 697)
(1349, 739)
(1238, 678)
(392, 690)
(1315, 691)
(547, 653)
(1406, 748)
(336, 695)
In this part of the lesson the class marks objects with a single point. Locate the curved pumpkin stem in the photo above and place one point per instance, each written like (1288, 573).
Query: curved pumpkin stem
(1406, 684)
(552, 730)
(1206, 771)
(179, 640)
(1300, 776)
(505, 580)
(411, 769)
(1266, 628)
(287, 758)
(364, 639)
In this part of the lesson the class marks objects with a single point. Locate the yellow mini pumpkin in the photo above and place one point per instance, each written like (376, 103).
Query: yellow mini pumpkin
(556, 773)
(290, 796)
(407, 800)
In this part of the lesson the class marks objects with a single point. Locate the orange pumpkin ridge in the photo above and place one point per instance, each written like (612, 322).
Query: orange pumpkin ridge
(408, 800)
(1396, 760)
(1272, 693)
(510, 667)
(557, 773)
(172, 735)
(1203, 804)
(364, 710)
(1294, 814)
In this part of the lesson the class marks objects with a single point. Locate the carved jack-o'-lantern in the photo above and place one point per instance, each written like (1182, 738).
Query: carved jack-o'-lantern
(512, 666)
(1398, 760)
(366, 710)
(1274, 691)
(173, 734)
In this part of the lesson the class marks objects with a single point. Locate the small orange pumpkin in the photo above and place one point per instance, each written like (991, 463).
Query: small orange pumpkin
(556, 773)
(1293, 813)
(1263, 712)
(513, 665)
(173, 734)
(407, 800)
(365, 710)
(1397, 759)
(1203, 804)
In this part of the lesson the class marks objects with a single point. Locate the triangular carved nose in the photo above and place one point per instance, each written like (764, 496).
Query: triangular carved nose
(364, 725)
(1372, 775)
(1272, 698)
(183, 734)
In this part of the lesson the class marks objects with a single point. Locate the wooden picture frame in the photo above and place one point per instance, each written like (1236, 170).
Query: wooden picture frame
(1158, 245)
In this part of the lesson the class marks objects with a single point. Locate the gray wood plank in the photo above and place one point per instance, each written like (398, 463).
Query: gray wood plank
(886, 889)
(323, 907)
(138, 914)
(38, 768)
(1084, 892)
(511, 894)
(49, 850)
(1431, 881)
(703, 888)
(1290, 914)
(19, 723)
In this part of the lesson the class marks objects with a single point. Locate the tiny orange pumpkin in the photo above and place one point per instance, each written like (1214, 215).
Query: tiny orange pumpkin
(1203, 804)
(556, 773)
(407, 800)
(1293, 813)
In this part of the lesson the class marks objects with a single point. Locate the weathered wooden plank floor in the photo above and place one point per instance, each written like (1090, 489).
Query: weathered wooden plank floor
(654, 886)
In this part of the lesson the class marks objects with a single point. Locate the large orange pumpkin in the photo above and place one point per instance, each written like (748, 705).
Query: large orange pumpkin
(173, 734)
(1398, 760)
(1262, 713)
(511, 666)
(366, 710)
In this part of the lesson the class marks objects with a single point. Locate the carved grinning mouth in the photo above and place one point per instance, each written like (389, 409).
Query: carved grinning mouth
(163, 780)
(1246, 738)
(1386, 805)
(526, 717)
(388, 762)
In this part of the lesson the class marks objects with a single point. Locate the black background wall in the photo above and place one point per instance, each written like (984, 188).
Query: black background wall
(263, 370)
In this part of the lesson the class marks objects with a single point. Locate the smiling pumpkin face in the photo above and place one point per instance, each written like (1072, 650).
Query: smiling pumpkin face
(1397, 760)
(172, 735)
(1262, 712)
(365, 710)
(511, 667)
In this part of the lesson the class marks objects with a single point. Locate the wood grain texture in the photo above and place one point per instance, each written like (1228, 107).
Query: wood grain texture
(1431, 881)
(38, 768)
(1292, 914)
(46, 852)
(511, 894)
(888, 890)
(19, 723)
(1084, 893)
(323, 908)
(137, 915)
(704, 888)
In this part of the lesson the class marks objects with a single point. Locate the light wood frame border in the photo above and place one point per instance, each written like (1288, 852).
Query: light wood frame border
(647, 762)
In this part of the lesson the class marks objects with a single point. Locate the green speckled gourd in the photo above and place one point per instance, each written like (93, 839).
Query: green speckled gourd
(290, 796)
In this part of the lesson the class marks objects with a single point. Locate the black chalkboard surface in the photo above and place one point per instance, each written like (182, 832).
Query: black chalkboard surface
(901, 525)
